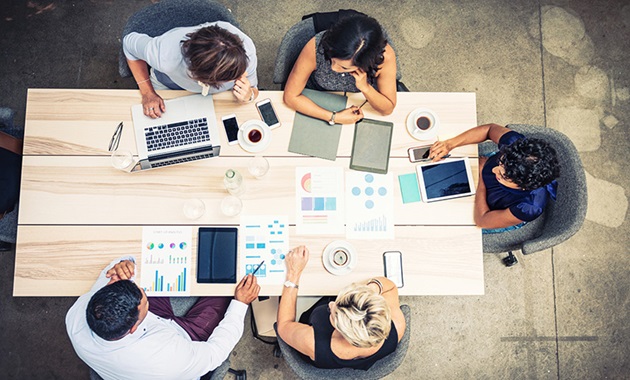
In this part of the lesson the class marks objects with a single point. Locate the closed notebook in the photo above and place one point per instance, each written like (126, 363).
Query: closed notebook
(314, 137)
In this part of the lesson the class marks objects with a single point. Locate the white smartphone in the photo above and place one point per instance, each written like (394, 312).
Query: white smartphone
(392, 261)
(267, 113)
(231, 128)
(419, 153)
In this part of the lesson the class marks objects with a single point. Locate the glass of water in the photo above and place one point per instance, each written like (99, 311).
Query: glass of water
(122, 159)
(258, 166)
(231, 205)
(194, 208)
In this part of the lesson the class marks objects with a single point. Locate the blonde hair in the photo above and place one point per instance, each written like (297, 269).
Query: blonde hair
(362, 316)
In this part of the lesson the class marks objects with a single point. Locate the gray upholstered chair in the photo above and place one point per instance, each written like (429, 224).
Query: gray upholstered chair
(292, 44)
(180, 306)
(381, 368)
(562, 218)
(158, 18)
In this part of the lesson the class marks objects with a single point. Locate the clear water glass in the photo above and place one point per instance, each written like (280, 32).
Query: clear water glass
(231, 205)
(122, 159)
(194, 208)
(258, 166)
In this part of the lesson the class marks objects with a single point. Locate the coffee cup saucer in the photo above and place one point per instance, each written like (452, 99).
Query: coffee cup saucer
(254, 147)
(418, 133)
(328, 257)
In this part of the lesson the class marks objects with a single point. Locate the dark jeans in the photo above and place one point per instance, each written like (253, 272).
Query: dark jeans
(202, 318)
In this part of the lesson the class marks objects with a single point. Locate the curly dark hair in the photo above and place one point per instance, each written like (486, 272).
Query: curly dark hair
(530, 163)
(113, 310)
(358, 38)
(214, 55)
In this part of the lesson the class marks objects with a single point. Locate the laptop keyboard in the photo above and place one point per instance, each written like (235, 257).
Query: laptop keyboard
(177, 134)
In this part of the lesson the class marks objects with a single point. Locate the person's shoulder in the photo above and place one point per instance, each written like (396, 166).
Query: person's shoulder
(509, 137)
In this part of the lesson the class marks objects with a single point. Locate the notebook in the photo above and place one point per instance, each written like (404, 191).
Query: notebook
(187, 131)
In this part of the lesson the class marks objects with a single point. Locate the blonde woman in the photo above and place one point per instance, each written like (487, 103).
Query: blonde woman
(363, 324)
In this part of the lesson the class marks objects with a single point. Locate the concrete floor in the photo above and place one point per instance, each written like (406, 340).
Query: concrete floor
(563, 313)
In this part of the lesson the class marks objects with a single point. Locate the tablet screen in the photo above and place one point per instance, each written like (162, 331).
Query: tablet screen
(445, 179)
(216, 260)
(371, 146)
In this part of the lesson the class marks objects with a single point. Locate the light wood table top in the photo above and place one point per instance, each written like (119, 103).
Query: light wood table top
(77, 213)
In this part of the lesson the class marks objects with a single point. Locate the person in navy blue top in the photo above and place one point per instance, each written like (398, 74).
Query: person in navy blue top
(515, 183)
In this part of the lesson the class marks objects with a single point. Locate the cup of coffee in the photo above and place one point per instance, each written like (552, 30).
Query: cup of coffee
(340, 257)
(424, 123)
(254, 135)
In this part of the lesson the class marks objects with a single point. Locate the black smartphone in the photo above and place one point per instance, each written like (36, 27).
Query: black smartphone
(267, 113)
(216, 255)
(231, 128)
(392, 261)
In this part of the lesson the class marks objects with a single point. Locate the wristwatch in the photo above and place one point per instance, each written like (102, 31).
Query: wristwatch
(289, 284)
(332, 118)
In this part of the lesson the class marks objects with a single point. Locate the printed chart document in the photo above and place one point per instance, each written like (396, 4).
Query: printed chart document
(165, 267)
(369, 205)
(264, 238)
(319, 200)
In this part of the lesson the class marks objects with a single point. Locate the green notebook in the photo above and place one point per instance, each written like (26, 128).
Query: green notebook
(314, 137)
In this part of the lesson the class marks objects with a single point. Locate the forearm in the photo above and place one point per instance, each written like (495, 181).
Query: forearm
(481, 204)
(140, 71)
(378, 101)
(288, 301)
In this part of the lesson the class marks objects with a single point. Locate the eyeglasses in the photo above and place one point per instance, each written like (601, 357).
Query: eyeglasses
(115, 141)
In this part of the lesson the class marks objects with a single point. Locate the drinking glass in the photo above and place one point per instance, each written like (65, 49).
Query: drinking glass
(122, 159)
(258, 166)
(194, 208)
(231, 205)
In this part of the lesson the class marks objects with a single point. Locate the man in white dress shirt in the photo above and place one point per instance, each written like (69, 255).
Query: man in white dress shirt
(118, 334)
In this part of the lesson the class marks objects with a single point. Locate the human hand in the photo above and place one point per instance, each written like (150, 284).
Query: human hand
(124, 270)
(153, 105)
(295, 261)
(242, 89)
(349, 116)
(360, 78)
(439, 149)
(247, 290)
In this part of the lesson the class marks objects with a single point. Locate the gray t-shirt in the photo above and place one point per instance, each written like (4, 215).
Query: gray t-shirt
(163, 53)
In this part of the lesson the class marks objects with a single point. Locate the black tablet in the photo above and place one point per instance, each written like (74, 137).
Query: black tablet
(371, 146)
(216, 255)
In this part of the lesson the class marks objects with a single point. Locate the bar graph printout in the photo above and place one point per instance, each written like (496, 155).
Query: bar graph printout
(319, 200)
(369, 205)
(165, 266)
(264, 238)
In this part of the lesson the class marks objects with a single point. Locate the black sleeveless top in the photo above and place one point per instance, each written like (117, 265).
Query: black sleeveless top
(325, 358)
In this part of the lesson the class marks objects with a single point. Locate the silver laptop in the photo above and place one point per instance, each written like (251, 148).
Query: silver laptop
(187, 131)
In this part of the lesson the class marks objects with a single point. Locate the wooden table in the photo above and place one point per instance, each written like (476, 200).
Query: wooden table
(77, 213)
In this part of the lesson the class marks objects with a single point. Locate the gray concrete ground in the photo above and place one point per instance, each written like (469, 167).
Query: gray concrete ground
(563, 313)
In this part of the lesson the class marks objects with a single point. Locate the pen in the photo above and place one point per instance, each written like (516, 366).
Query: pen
(259, 265)
(357, 110)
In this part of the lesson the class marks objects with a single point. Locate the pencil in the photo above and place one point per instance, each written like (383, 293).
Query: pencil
(259, 265)
(357, 110)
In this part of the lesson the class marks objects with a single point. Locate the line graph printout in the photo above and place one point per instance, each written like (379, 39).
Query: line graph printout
(369, 205)
(165, 267)
(319, 200)
(264, 238)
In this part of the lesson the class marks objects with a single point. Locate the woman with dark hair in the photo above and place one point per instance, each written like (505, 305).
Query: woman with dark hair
(515, 183)
(354, 56)
(209, 58)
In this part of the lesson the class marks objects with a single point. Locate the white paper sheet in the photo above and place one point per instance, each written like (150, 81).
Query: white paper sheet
(165, 267)
(264, 238)
(369, 205)
(319, 200)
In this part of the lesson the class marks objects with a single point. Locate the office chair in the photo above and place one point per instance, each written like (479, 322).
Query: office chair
(293, 42)
(562, 218)
(8, 223)
(158, 18)
(381, 368)
(180, 306)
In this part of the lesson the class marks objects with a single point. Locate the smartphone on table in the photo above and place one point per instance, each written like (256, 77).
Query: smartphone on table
(231, 128)
(267, 113)
(392, 261)
(419, 153)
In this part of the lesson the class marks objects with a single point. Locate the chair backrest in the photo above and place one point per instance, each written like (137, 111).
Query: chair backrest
(292, 44)
(381, 368)
(159, 18)
(562, 218)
